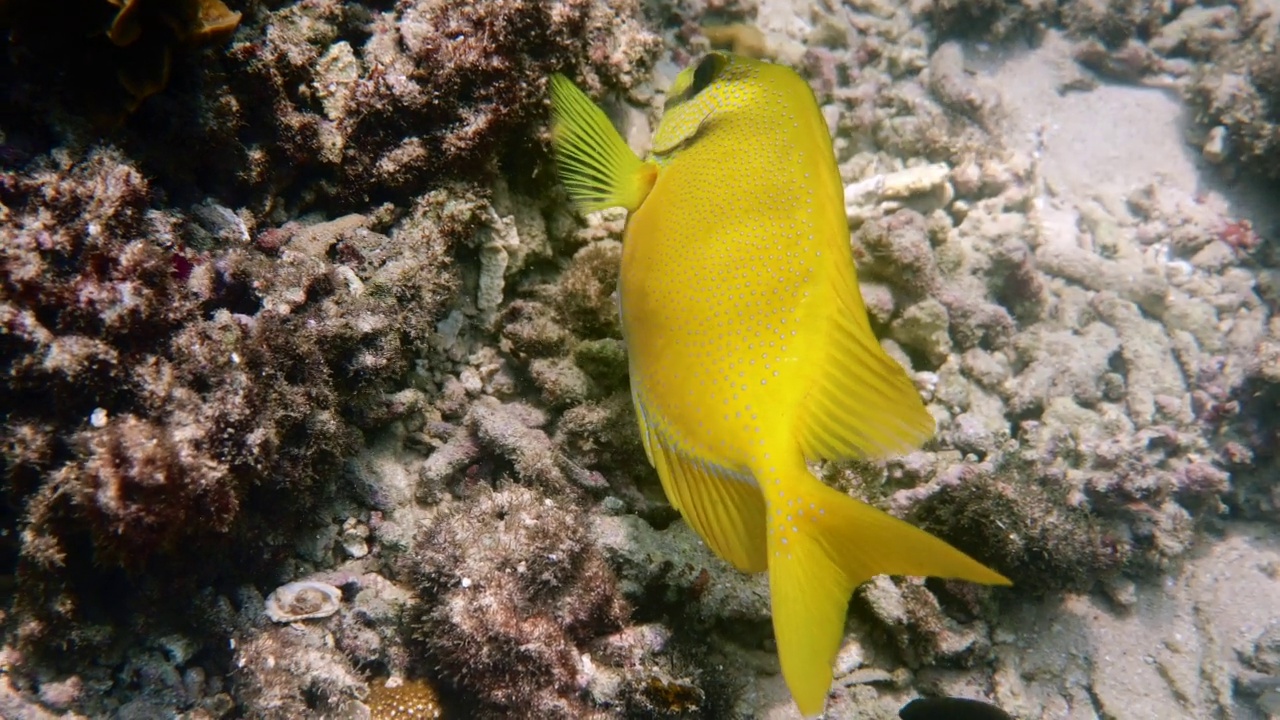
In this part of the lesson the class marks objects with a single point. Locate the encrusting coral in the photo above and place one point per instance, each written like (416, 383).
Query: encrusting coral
(406, 700)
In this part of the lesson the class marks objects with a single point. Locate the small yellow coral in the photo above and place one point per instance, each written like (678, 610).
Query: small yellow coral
(407, 700)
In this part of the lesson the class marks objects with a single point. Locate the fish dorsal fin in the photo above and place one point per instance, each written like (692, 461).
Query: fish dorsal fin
(596, 166)
(862, 403)
(724, 507)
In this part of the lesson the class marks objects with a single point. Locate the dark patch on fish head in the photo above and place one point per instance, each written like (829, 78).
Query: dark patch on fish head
(704, 73)
(709, 68)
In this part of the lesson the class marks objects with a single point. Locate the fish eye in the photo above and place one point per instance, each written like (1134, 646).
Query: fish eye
(709, 68)
(694, 79)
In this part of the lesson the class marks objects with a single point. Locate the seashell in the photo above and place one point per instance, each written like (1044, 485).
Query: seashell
(303, 600)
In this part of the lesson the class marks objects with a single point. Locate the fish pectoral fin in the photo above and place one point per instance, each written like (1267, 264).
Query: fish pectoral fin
(862, 403)
(822, 544)
(596, 165)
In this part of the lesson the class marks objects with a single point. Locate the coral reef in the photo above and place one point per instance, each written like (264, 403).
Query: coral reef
(382, 104)
(367, 104)
(419, 413)
(163, 394)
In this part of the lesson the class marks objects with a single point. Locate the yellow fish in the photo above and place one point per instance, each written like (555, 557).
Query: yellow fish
(749, 346)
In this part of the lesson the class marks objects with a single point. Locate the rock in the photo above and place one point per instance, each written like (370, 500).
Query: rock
(1215, 146)
(923, 327)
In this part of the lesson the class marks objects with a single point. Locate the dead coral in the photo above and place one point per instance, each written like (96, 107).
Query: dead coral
(517, 445)
(923, 633)
(438, 87)
(145, 482)
(585, 294)
(896, 251)
(1011, 522)
(579, 312)
(287, 673)
(531, 329)
(993, 19)
(602, 435)
(1240, 91)
(1113, 21)
(158, 399)
(512, 593)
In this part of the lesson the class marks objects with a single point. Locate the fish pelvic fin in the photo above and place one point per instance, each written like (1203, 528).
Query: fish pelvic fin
(596, 166)
(823, 544)
(724, 507)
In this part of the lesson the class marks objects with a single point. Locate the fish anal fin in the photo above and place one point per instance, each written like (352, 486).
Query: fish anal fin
(862, 403)
(646, 433)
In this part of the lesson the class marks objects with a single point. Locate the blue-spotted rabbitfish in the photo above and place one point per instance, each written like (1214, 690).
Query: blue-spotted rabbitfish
(749, 347)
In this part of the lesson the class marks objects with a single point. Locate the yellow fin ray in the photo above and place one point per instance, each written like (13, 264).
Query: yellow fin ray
(822, 544)
(646, 433)
(862, 403)
(596, 166)
(728, 514)
(734, 510)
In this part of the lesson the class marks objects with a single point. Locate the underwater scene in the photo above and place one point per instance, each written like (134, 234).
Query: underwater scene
(778, 359)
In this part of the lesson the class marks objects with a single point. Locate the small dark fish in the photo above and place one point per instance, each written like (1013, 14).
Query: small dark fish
(951, 709)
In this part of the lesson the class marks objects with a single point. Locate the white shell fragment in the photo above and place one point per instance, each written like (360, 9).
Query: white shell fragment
(303, 600)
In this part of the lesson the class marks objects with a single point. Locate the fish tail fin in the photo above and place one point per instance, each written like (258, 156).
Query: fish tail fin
(821, 545)
(596, 165)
